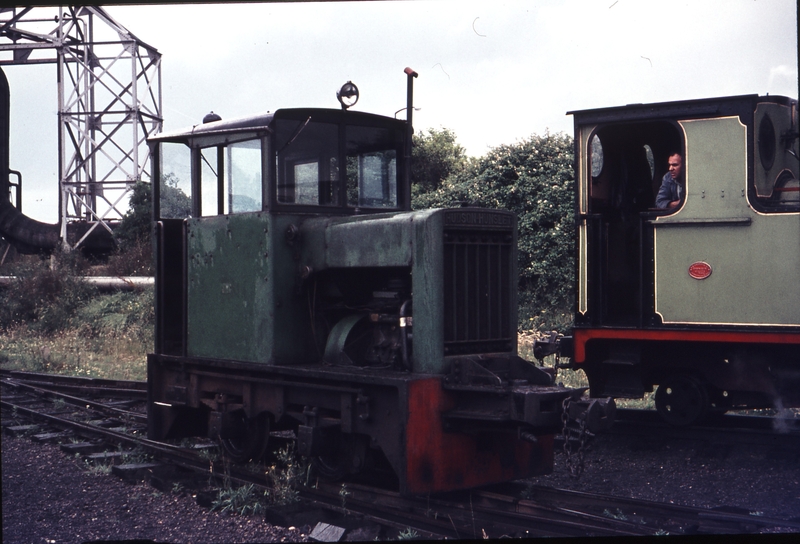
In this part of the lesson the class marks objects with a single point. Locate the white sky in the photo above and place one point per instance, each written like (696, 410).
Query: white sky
(495, 72)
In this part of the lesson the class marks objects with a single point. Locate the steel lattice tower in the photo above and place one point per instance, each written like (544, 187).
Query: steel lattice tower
(109, 102)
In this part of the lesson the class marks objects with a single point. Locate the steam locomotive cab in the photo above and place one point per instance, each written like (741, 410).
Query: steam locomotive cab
(701, 299)
(299, 292)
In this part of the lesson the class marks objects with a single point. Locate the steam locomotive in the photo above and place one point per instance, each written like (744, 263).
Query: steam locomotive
(703, 299)
(302, 293)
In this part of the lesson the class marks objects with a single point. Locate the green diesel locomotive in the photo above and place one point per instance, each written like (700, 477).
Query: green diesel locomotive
(301, 293)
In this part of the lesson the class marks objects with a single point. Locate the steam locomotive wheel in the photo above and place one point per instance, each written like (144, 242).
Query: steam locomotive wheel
(681, 400)
(252, 443)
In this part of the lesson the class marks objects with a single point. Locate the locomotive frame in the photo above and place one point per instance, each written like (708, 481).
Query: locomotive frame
(680, 298)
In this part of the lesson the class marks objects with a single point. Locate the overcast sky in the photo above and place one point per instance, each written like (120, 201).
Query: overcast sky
(494, 72)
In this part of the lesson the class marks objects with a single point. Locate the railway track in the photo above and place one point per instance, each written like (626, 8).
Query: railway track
(91, 415)
(729, 429)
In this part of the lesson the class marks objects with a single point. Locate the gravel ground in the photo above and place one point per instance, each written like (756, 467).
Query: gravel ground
(49, 498)
(749, 479)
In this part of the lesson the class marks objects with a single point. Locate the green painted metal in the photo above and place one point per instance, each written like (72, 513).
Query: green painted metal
(337, 340)
(413, 240)
(717, 225)
(245, 277)
(229, 287)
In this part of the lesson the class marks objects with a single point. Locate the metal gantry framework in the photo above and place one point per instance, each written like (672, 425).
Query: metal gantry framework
(109, 102)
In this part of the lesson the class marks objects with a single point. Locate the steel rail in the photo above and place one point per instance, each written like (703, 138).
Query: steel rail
(490, 513)
(703, 519)
(81, 381)
(456, 517)
(728, 429)
(78, 401)
(451, 519)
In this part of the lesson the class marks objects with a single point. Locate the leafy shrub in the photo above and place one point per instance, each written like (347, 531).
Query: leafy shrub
(44, 294)
(174, 202)
(133, 235)
(122, 313)
(435, 156)
(533, 179)
(134, 259)
(135, 224)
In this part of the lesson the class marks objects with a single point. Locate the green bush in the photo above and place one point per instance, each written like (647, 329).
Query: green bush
(533, 179)
(136, 223)
(44, 294)
(133, 235)
(122, 313)
(435, 156)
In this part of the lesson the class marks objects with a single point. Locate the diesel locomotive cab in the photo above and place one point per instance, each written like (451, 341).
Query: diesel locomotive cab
(296, 290)
(701, 299)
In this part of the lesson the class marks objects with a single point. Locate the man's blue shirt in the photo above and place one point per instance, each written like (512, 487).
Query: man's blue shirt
(670, 190)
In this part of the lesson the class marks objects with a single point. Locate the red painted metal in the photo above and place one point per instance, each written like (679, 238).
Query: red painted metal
(582, 336)
(443, 461)
(700, 270)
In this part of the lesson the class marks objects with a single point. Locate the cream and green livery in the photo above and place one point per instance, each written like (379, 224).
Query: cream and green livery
(702, 299)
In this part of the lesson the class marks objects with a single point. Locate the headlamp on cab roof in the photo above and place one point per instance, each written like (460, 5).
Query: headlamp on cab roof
(347, 95)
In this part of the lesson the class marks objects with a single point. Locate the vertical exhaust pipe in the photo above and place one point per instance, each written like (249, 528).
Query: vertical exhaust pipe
(409, 134)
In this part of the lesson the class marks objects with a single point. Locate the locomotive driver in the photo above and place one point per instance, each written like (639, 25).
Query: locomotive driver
(672, 188)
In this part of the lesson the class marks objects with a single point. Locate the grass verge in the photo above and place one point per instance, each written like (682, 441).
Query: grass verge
(53, 321)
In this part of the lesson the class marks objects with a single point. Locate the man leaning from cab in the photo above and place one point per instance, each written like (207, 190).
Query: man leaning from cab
(672, 190)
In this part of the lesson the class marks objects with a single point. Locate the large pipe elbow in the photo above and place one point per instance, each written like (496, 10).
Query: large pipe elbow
(26, 234)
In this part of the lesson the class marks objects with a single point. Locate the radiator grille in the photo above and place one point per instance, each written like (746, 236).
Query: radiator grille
(478, 287)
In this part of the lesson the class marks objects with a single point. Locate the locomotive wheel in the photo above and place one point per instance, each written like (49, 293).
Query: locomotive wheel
(331, 466)
(252, 444)
(346, 455)
(681, 400)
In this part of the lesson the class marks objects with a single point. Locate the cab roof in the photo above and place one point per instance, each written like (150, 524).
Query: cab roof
(703, 107)
(260, 124)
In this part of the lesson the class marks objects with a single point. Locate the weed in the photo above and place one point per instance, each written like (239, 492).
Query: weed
(59, 404)
(408, 534)
(177, 488)
(243, 500)
(209, 454)
(620, 515)
(136, 457)
(528, 492)
(344, 493)
(98, 468)
(284, 476)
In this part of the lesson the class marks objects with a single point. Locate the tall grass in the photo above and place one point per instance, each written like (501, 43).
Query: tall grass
(51, 320)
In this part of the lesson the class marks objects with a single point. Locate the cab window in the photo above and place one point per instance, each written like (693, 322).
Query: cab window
(371, 167)
(243, 172)
(307, 162)
(176, 181)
